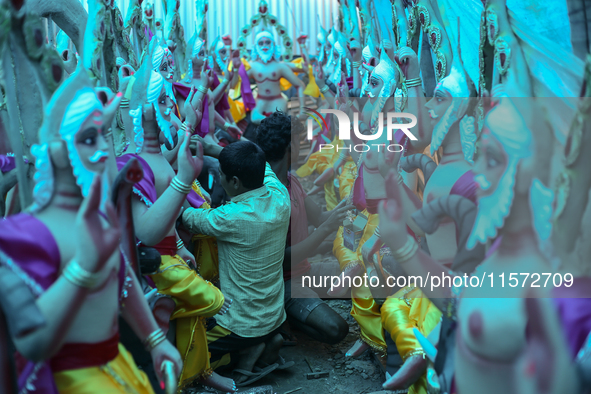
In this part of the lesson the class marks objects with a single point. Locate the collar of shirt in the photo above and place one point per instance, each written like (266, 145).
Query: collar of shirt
(251, 193)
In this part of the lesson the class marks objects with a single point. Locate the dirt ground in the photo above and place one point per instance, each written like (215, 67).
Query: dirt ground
(351, 376)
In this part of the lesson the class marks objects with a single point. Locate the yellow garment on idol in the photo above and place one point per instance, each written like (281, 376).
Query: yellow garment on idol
(205, 249)
(195, 300)
(119, 375)
(311, 89)
(403, 311)
(236, 107)
(365, 309)
(347, 177)
(320, 161)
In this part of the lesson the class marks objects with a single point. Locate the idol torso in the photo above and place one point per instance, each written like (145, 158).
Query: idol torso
(97, 319)
(492, 322)
(442, 242)
(269, 98)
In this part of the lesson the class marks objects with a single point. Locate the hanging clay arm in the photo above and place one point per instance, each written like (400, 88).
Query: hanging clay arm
(463, 213)
(17, 301)
(8, 181)
(129, 175)
(18, 315)
(571, 228)
(510, 66)
(546, 352)
(404, 248)
(418, 161)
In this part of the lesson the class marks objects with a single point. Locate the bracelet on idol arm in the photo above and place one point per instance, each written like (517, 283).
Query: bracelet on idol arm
(78, 276)
(179, 186)
(154, 339)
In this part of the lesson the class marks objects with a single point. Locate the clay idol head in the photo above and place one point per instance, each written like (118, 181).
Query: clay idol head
(513, 162)
(218, 53)
(265, 48)
(74, 120)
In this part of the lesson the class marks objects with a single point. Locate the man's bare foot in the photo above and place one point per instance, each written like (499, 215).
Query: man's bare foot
(220, 383)
(408, 374)
(271, 353)
(357, 349)
(248, 357)
(346, 278)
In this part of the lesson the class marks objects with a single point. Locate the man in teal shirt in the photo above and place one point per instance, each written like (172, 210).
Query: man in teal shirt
(251, 230)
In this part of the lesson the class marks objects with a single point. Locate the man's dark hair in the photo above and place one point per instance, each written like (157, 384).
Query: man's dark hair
(244, 160)
(274, 135)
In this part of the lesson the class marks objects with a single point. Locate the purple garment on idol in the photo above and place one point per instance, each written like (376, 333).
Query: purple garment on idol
(146, 188)
(245, 90)
(7, 163)
(184, 92)
(466, 187)
(574, 309)
(223, 104)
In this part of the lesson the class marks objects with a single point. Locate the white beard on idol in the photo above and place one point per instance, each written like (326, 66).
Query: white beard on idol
(138, 129)
(442, 127)
(169, 91)
(84, 105)
(164, 125)
(265, 57)
(219, 61)
(493, 209)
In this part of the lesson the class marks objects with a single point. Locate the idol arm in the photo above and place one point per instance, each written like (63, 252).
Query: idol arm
(60, 305)
(154, 224)
(298, 83)
(136, 312)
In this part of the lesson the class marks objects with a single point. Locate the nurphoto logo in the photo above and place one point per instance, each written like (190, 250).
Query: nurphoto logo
(344, 129)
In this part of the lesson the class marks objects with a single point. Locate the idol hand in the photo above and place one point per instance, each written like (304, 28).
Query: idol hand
(409, 62)
(189, 166)
(162, 354)
(95, 241)
(392, 224)
(546, 365)
(388, 160)
(192, 107)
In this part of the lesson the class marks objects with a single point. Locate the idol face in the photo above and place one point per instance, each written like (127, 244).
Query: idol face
(490, 166)
(438, 105)
(373, 88)
(200, 58)
(166, 69)
(164, 117)
(265, 45)
(90, 144)
(223, 53)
